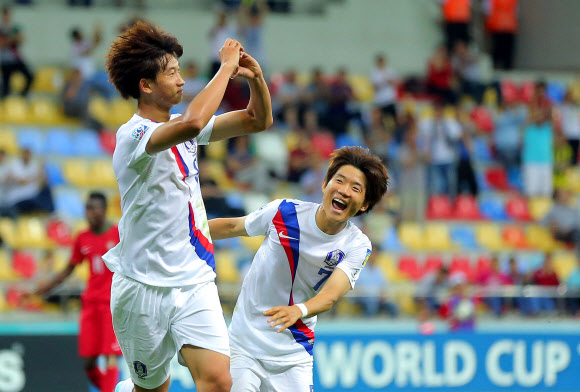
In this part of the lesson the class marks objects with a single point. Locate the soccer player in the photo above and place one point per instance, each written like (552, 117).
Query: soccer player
(311, 256)
(164, 298)
(96, 336)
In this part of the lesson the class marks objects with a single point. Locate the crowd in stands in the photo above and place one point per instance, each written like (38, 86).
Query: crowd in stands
(455, 145)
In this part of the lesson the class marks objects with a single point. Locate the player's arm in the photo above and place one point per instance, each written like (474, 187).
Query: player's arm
(257, 116)
(54, 282)
(221, 228)
(335, 288)
(203, 106)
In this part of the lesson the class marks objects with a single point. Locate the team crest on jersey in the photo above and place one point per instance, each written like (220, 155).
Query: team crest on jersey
(334, 257)
(190, 146)
(367, 257)
(140, 369)
(139, 132)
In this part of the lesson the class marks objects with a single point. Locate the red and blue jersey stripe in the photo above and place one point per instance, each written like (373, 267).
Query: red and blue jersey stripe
(203, 247)
(288, 229)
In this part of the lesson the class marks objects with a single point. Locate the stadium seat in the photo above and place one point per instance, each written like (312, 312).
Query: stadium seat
(466, 208)
(114, 207)
(492, 208)
(347, 140)
(555, 91)
(482, 183)
(59, 232)
(76, 172)
(482, 119)
(252, 243)
(462, 264)
(99, 108)
(439, 207)
(483, 265)
(58, 142)
(31, 138)
(391, 241)
(564, 263)
(323, 143)
(437, 237)
(409, 267)
(539, 207)
(45, 112)
(481, 150)
(517, 208)
(497, 178)
(362, 87)
(527, 90)
(530, 262)
(101, 173)
(464, 237)
(540, 238)
(411, 235)
(16, 110)
(489, 236)
(432, 263)
(7, 231)
(82, 272)
(514, 237)
(120, 111)
(47, 80)
(515, 179)
(53, 173)
(386, 263)
(7, 273)
(69, 205)
(86, 142)
(226, 267)
(24, 264)
(109, 140)
(8, 140)
(30, 232)
(216, 150)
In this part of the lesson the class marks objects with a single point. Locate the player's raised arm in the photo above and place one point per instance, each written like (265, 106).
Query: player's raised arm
(221, 228)
(335, 288)
(257, 116)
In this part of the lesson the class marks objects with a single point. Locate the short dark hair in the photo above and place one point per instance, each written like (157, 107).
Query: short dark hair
(140, 52)
(371, 166)
(100, 196)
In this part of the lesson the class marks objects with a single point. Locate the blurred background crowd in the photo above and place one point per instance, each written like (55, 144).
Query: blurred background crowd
(481, 218)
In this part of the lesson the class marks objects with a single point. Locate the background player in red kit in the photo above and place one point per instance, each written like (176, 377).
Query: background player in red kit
(96, 336)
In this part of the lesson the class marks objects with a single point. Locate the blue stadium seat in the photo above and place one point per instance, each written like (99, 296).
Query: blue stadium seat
(31, 138)
(69, 204)
(391, 241)
(235, 200)
(481, 150)
(556, 92)
(529, 262)
(87, 143)
(347, 140)
(482, 181)
(515, 178)
(53, 173)
(464, 236)
(492, 208)
(58, 142)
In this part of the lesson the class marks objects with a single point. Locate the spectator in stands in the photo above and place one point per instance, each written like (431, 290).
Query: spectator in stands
(412, 180)
(245, 169)
(538, 155)
(544, 277)
(237, 95)
(432, 287)
(339, 112)
(322, 141)
(289, 93)
(301, 150)
(29, 191)
(194, 83)
(573, 285)
(218, 34)
(570, 120)
(562, 156)
(310, 178)
(318, 94)
(509, 121)
(439, 136)
(251, 30)
(456, 20)
(371, 287)
(563, 219)
(75, 98)
(11, 59)
(440, 82)
(384, 81)
(380, 135)
(541, 103)
(467, 70)
(517, 278)
(502, 24)
(214, 199)
(461, 306)
(5, 202)
(492, 280)
(82, 50)
(466, 180)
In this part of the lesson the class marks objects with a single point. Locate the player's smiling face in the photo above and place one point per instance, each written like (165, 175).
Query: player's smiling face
(344, 195)
(168, 86)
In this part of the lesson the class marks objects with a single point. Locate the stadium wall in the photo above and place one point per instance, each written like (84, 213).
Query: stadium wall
(349, 357)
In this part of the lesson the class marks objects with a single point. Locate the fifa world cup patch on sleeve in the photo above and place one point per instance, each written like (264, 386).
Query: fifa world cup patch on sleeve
(139, 132)
(367, 257)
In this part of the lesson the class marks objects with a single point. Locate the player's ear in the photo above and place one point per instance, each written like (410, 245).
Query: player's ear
(364, 208)
(324, 183)
(145, 85)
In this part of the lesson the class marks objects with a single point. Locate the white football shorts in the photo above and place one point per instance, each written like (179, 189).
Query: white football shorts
(153, 323)
(254, 375)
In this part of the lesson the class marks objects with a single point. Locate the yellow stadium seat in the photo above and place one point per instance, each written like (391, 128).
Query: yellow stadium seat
(411, 235)
(540, 238)
(17, 82)
(79, 225)
(426, 112)
(490, 97)
(75, 172)
(539, 207)
(114, 207)
(99, 108)
(489, 236)
(8, 140)
(7, 231)
(226, 267)
(217, 150)
(45, 112)
(16, 110)
(6, 271)
(82, 271)
(31, 233)
(120, 111)
(564, 263)
(386, 263)
(437, 237)
(362, 87)
(48, 80)
(101, 173)
(252, 243)
(217, 172)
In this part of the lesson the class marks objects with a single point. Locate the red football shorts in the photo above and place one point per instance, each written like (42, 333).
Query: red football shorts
(96, 335)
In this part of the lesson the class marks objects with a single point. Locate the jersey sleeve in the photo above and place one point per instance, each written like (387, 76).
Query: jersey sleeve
(76, 256)
(355, 261)
(138, 137)
(257, 222)
(205, 134)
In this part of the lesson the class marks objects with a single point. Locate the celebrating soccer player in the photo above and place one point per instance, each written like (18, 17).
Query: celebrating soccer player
(311, 256)
(164, 299)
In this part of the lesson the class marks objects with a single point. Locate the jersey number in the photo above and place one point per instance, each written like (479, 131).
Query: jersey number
(326, 274)
(98, 265)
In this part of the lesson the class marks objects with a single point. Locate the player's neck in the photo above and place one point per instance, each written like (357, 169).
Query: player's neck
(326, 225)
(101, 229)
(153, 112)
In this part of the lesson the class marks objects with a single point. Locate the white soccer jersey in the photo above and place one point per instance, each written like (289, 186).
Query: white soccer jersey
(290, 267)
(164, 234)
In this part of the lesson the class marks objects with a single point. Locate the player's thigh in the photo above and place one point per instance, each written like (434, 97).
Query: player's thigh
(140, 313)
(288, 378)
(246, 373)
(109, 345)
(209, 369)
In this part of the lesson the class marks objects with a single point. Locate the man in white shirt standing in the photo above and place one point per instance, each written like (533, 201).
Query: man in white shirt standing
(312, 256)
(163, 298)
(384, 81)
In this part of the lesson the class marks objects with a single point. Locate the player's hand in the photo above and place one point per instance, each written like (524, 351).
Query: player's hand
(230, 55)
(286, 316)
(249, 67)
